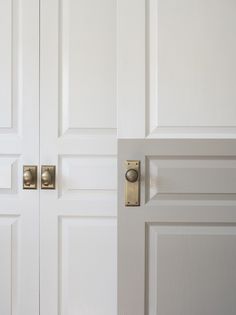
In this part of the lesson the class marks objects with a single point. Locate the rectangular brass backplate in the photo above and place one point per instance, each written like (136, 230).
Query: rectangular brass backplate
(30, 173)
(132, 183)
(48, 177)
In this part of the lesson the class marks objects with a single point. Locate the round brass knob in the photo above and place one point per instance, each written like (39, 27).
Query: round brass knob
(28, 178)
(131, 175)
(46, 178)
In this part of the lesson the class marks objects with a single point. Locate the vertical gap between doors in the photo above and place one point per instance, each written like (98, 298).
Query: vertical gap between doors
(39, 159)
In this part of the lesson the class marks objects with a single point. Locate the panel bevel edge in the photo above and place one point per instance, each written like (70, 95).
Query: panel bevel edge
(202, 132)
(15, 236)
(80, 132)
(151, 120)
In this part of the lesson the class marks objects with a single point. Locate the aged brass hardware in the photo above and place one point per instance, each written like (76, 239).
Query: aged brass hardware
(132, 183)
(29, 177)
(48, 177)
(131, 175)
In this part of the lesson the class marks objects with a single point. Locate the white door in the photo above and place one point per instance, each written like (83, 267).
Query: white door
(19, 145)
(78, 134)
(176, 113)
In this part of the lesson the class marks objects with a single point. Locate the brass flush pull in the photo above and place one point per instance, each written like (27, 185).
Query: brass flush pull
(132, 183)
(48, 177)
(29, 177)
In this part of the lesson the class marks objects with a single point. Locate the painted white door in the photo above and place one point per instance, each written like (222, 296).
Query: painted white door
(78, 134)
(176, 113)
(19, 145)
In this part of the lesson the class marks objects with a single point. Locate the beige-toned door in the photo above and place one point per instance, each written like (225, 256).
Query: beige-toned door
(177, 116)
(177, 249)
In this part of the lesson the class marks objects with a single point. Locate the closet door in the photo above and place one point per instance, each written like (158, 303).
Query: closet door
(19, 145)
(78, 136)
(176, 109)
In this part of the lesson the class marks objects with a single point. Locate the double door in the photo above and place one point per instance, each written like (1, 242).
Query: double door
(57, 107)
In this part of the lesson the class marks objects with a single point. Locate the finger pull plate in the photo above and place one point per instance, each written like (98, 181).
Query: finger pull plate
(48, 177)
(132, 183)
(29, 177)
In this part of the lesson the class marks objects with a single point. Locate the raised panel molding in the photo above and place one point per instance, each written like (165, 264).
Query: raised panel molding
(190, 71)
(9, 70)
(200, 258)
(87, 67)
(8, 264)
(190, 178)
(8, 174)
(90, 178)
(87, 265)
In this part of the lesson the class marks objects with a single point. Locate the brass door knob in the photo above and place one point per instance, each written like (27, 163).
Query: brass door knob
(30, 177)
(131, 175)
(48, 177)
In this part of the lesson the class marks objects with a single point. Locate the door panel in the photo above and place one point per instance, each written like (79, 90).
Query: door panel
(195, 61)
(19, 145)
(180, 84)
(78, 135)
(8, 245)
(7, 29)
(87, 262)
(176, 252)
(87, 65)
(178, 177)
(191, 265)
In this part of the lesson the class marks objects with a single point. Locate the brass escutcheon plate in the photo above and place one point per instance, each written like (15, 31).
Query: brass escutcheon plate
(132, 183)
